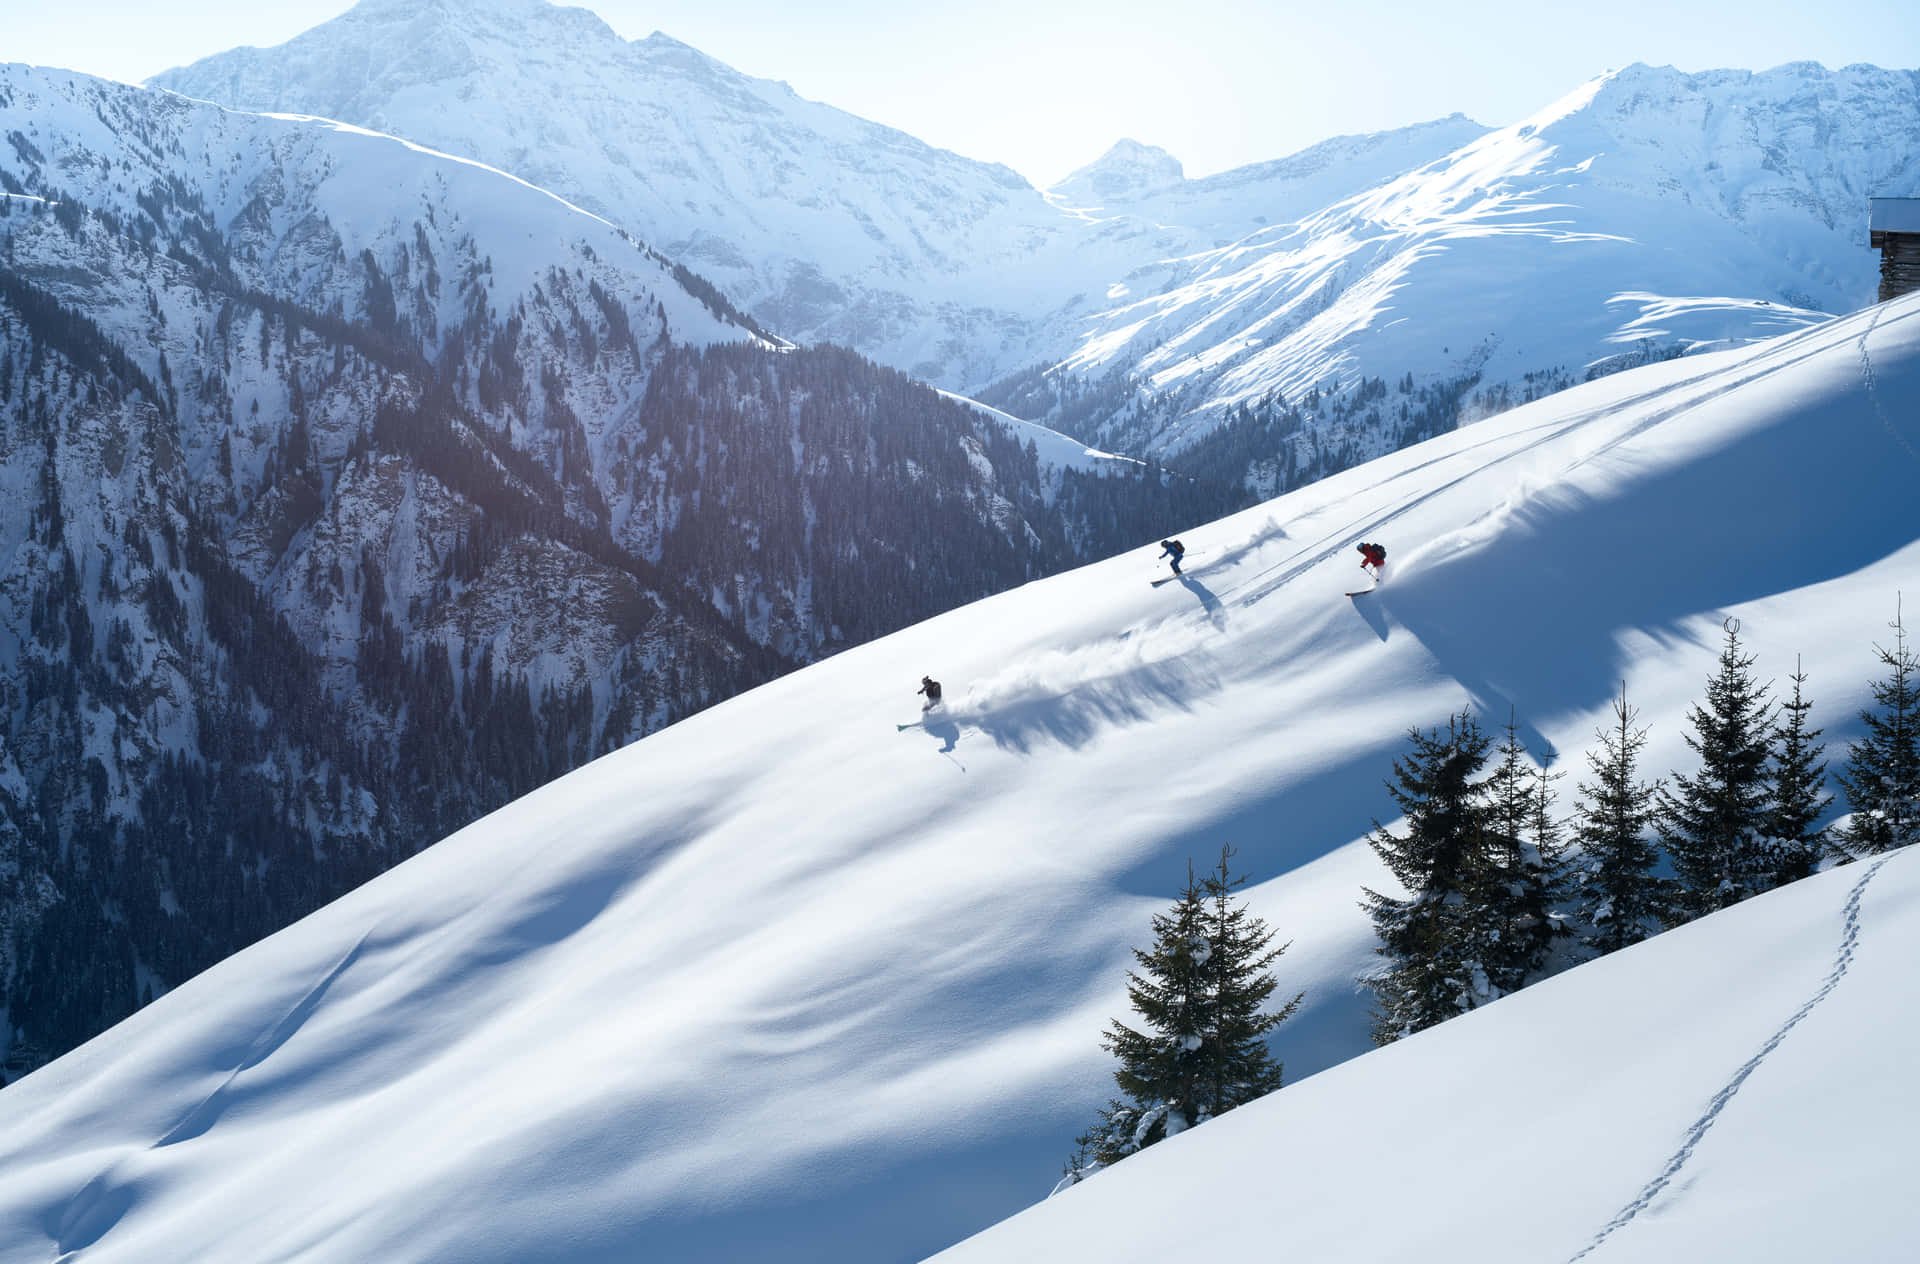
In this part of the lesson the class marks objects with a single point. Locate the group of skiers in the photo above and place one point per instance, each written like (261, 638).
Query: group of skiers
(1374, 555)
(1371, 555)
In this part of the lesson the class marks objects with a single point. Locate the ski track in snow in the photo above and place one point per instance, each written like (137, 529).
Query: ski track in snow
(1336, 542)
(1701, 1126)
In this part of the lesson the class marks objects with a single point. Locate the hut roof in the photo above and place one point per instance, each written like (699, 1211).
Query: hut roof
(1893, 215)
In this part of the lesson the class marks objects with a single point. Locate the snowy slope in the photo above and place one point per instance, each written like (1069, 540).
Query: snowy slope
(783, 982)
(1739, 1089)
(826, 226)
(1648, 205)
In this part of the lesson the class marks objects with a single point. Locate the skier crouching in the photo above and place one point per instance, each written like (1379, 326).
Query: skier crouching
(930, 687)
(1175, 550)
(1373, 555)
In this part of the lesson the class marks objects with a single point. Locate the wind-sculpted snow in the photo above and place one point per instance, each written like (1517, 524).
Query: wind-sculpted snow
(789, 981)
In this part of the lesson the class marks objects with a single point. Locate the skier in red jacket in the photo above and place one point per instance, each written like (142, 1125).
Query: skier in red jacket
(1373, 555)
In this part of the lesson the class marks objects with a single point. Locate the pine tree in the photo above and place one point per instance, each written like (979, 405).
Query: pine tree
(1798, 803)
(1435, 941)
(1882, 780)
(1714, 824)
(1619, 899)
(1160, 1072)
(1526, 874)
(1201, 1048)
(1234, 1045)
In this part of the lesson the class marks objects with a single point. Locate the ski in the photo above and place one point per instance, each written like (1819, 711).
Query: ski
(1168, 580)
(1363, 592)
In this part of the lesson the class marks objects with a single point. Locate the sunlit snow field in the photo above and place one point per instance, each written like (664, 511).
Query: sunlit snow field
(786, 982)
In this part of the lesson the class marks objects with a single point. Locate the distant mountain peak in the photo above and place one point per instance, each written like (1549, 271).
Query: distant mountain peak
(449, 7)
(1126, 171)
(519, 18)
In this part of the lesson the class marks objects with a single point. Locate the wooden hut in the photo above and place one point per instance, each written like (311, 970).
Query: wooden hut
(1893, 228)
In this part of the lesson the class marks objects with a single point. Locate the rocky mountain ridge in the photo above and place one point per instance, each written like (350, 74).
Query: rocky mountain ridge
(1647, 214)
(824, 225)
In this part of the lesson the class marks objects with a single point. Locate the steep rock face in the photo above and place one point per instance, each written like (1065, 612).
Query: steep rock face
(354, 489)
(823, 225)
(1648, 213)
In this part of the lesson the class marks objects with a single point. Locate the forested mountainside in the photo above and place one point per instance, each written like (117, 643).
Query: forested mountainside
(353, 490)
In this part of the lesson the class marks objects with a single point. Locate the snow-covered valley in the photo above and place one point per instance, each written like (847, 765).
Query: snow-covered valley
(782, 981)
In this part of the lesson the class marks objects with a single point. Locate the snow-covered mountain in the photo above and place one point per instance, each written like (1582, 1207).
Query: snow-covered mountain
(1647, 213)
(357, 488)
(825, 226)
(829, 227)
(782, 981)
(1125, 173)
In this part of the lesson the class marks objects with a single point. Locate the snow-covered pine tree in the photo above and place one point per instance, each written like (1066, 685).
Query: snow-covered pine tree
(1882, 779)
(1620, 901)
(1799, 777)
(1713, 824)
(1437, 940)
(1201, 1048)
(1160, 1070)
(1234, 1045)
(1526, 876)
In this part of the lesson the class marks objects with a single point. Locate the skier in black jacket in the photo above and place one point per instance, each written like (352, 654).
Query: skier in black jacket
(930, 687)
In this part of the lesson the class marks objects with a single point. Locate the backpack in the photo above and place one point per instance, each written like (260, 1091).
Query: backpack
(1379, 554)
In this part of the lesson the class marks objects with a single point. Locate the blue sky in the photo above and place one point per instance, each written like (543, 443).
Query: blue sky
(1046, 85)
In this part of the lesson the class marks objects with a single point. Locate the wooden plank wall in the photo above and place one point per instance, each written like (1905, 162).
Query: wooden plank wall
(1899, 264)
